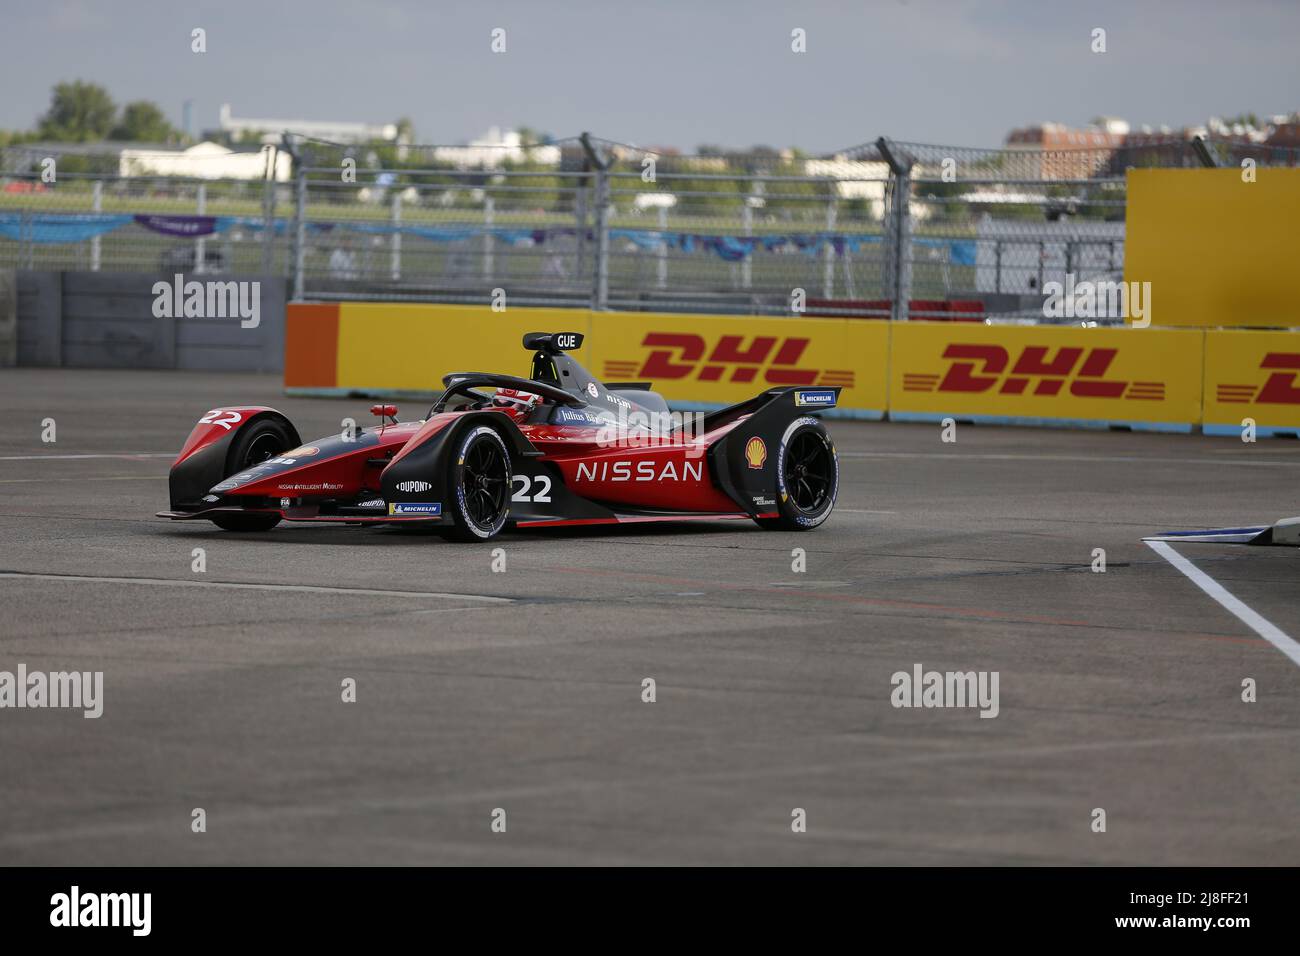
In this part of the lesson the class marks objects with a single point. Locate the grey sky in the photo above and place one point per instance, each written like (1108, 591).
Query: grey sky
(670, 72)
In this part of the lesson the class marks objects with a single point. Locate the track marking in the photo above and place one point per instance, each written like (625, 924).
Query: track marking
(128, 455)
(304, 588)
(1247, 615)
(41, 481)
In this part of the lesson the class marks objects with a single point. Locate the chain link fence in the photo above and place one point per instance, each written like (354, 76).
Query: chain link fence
(886, 229)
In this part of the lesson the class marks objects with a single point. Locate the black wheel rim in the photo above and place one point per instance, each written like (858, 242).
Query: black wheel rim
(263, 448)
(809, 472)
(484, 482)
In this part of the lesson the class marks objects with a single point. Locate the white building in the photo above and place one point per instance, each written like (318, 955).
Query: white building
(856, 179)
(494, 148)
(205, 161)
(269, 130)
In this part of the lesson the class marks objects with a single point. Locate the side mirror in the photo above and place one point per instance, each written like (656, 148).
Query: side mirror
(384, 411)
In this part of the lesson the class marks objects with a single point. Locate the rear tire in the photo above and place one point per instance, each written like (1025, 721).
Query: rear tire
(808, 478)
(478, 482)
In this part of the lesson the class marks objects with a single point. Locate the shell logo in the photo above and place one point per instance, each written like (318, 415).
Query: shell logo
(755, 452)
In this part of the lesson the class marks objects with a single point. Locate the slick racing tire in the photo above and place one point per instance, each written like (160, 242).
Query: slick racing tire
(478, 484)
(252, 521)
(808, 477)
(262, 440)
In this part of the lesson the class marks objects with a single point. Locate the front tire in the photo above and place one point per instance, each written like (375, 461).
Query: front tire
(261, 441)
(478, 478)
(246, 522)
(808, 478)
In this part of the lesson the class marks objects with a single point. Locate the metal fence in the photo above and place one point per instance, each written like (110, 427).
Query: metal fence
(886, 229)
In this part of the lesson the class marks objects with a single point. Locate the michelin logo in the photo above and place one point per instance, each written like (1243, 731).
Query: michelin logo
(415, 508)
(808, 399)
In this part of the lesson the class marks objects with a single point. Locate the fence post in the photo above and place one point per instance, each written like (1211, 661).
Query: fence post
(299, 226)
(828, 266)
(395, 244)
(268, 215)
(661, 270)
(580, 223)
(96, 204)
(600, 297)
(26, 245)
(489, 220)
(747, 220)
(898, 261)
(600, 280)
(200, 244)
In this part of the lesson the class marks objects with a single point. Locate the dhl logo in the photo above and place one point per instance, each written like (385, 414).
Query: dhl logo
(981, 368)
(683, 355)
(1279, 388)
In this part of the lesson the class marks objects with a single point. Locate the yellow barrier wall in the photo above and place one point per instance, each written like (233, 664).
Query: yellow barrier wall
(1252, 375)
(1217, 251)
(1170, 379)
(1048, 374)
(410, 347)
(691, 359)
(721, 360)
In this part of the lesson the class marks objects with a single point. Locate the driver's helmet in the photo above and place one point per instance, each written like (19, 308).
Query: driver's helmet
(515, 403)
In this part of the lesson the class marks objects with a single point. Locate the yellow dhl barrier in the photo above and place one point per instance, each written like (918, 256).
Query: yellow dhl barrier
(410, 347)
(1141, 378)
(1217, 246)
(720, 360)
(1252, 375)
(1165, 379)
(693, 360)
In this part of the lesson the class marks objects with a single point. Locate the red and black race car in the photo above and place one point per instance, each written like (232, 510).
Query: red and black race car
(558, 448)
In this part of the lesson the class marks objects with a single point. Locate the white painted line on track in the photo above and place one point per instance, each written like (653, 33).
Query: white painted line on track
(143, 454)
(1247, 615)
(304, 588)
(41, 481)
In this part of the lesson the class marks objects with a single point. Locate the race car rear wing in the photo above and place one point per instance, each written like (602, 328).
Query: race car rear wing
(553, 342)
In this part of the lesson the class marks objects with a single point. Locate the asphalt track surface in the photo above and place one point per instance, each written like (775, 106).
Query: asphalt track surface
(1119, 691)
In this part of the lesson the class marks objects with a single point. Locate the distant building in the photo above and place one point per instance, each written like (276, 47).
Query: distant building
(496, 148)
(206, 161)
(1286, 132)
(236, 129)
(1056, 151)
(107, 158)
(854, 179)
